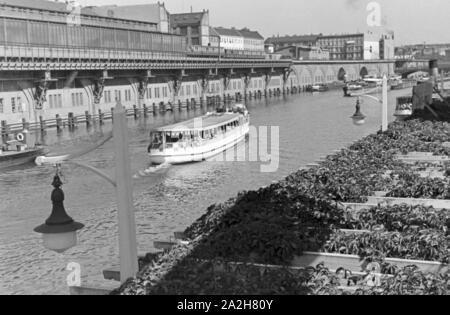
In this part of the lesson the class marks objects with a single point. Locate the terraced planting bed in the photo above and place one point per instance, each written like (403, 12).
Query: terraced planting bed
(320, 231)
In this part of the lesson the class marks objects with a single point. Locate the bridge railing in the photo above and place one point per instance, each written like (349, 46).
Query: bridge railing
(22, 53)
(50, 55)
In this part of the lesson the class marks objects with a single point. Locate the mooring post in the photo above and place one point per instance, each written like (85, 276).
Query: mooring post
(101, 117)
(88, 119)
(58, 123)
(135, 112)
(124, 194)
(145, 111)
(42, 124)
(70, 121)
(4, 131)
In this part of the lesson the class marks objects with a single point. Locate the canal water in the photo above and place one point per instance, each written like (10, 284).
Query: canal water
(167, 199)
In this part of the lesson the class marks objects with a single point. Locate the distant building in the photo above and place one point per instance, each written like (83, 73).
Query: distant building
(304, 53)
(230, 38)
(359, 46)
(269, 48)
(214, 38)
(195, 26)
(387, 46)
(252, 40)
(280, 42)
(423, 51)
(343, 47)
(148, 13)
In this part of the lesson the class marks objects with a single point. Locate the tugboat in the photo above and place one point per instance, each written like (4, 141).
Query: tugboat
(19, 150)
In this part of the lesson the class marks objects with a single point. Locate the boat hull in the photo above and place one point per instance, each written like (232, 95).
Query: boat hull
(201, 153)
(8, 160)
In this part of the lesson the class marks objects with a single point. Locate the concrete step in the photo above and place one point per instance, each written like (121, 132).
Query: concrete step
(420, 154)
(424, 159)
(432, 174)
(93, 291)
(435, 203)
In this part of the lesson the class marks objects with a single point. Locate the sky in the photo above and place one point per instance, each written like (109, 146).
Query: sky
(413, 21)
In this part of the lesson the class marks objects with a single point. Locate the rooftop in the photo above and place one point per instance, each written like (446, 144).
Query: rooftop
(187, 18)
(147, 13)
(37, 4)
(250, 34)
(228, 32)
(292, 39)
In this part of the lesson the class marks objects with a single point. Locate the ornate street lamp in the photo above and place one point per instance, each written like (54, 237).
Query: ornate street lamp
(359, 118)
(59, 232)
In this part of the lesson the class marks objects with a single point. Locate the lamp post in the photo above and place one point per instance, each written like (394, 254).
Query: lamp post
(59, 231)
(359, 118)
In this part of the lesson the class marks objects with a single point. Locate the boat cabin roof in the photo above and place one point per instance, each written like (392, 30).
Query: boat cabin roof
(207, 122)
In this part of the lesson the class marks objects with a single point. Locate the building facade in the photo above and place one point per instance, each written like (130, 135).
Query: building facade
(387, 46)
(343, 47)
(234, 39)
(252, 40)
(194, 26)
(230, 38)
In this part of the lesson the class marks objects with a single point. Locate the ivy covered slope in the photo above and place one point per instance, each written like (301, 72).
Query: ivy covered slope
(302, 213)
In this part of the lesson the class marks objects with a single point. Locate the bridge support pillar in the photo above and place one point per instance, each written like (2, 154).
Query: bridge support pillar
(40, 95)
(142, 88)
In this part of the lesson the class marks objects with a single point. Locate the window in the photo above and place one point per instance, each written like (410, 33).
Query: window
(195, 89)
(157, 92)
(51, 101)
(188, 90)
(13, 105)
(165, 92)
(127, 95)
(108, 97)
(149, 93)
(60, 101)
(1, 105)
(118, 95)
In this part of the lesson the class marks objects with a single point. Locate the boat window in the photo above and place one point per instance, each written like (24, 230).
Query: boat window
(156, 140)
(174, 137)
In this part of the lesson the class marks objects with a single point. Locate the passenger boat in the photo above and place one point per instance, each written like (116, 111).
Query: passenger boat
(198, 139)
(17, 152)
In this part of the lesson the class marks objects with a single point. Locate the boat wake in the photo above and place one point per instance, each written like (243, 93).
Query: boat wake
(152, 170)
